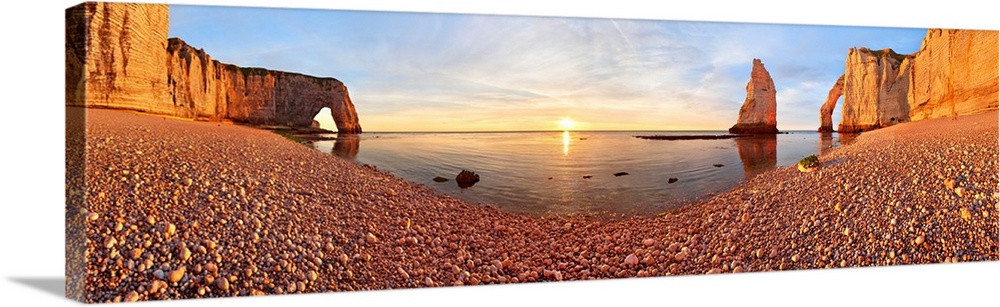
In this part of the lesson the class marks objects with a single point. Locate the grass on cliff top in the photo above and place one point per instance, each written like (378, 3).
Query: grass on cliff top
(886, 52)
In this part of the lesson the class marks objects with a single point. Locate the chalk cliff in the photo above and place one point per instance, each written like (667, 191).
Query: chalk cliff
(203, 87)
(875, 84)
(954, 73)
(759, 111)
(115, 56)
(118, 56)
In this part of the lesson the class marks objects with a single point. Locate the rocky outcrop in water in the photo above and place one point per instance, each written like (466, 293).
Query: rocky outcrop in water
(118, 56)
(759, 111)
(466, 179)
(953, 73)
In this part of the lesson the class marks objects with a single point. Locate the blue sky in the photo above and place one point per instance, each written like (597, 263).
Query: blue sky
(454, 72)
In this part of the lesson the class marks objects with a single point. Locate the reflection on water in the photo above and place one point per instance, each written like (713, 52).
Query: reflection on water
(346, 146)
(534, 173)
(565, 143)
(757, 153)
(825, 142)
(847, 138)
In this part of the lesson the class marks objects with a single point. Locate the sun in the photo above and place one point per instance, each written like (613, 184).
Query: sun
(566, 123)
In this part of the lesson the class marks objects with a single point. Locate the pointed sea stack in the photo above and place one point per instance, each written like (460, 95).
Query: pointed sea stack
(758, 114)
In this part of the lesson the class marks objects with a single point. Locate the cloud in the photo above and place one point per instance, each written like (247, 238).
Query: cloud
(489, 72)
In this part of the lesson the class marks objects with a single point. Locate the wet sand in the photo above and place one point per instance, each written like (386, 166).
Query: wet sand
(182, 209)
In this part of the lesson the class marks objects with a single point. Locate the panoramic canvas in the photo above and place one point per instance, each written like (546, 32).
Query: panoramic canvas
(235, 151)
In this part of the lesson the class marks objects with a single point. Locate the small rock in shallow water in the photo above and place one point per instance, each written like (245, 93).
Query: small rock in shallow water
(440, 179)
(671, 180)
(619, 174)
(466, 179)
(718, 165)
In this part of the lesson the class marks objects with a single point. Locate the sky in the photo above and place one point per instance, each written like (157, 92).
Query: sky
(468, 72)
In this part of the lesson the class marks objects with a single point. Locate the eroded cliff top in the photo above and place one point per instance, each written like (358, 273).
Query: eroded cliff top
(887, 52)
(175, 44)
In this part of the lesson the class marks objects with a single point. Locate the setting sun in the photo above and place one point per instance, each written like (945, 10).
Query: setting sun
(566, 123)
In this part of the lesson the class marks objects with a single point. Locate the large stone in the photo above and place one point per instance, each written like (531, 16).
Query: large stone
(759, 112)
(466, 179)
(118, 56)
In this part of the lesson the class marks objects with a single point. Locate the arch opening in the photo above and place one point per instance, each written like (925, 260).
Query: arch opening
(324, 119)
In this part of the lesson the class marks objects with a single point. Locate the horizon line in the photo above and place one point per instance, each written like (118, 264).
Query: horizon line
(564, 130)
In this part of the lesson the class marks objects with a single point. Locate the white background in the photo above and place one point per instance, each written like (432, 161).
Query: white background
(32, 154)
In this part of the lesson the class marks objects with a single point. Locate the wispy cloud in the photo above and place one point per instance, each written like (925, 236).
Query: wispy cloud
(481, 72)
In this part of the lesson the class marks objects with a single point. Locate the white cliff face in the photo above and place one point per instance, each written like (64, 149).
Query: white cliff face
(759, 112)
(954, 73)
(203, 87)
(118, 56)
(114, 55)
(875, 84)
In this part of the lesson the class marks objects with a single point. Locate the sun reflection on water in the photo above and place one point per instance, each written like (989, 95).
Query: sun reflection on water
(566, 143)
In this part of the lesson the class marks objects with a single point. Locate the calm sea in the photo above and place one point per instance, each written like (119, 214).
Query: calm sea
(543, 172)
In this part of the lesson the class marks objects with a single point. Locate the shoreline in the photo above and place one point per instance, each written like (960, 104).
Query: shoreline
(349, 228)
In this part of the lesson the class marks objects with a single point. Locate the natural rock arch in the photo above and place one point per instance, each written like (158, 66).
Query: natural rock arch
(167, 76)
(826, 111)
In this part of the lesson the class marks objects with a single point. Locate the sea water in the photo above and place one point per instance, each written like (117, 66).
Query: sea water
(573, 172)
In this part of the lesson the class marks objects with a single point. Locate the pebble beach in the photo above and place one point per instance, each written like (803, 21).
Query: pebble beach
(166, 208)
